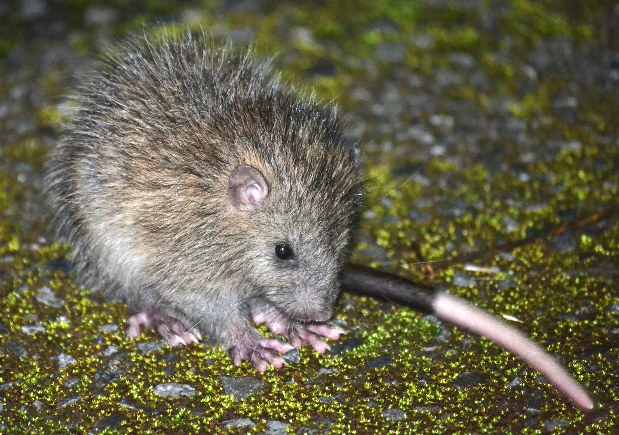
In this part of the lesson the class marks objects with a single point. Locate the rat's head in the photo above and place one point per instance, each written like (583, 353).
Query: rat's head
(295, 194)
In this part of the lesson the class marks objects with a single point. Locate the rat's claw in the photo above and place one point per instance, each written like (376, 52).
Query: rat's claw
(172, 329)
(295, 340)
(267, 354)
(136, 323)
(276, 345)
(331, 332)
(298, 334)
(263, 359)
(175, 332)
(235, 356)
(276, 323)
(259, 317)
(306, 335)
(318, 344)
(262, 354)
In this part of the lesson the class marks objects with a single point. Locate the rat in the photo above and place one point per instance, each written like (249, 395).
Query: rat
(197, 187)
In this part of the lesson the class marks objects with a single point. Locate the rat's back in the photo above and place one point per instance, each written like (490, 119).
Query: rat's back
(139, 139)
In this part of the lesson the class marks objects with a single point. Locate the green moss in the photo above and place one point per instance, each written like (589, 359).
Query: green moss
(455, 39)
(30, 150)
(531, 21)
(6, 45)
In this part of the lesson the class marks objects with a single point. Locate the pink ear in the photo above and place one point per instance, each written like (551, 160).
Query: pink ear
(247, 186)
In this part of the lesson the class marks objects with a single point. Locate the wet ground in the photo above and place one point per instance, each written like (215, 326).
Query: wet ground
(489, 130)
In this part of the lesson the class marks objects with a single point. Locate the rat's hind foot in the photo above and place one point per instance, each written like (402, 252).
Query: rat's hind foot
(172, 329)
(297, 333)
(262, 353)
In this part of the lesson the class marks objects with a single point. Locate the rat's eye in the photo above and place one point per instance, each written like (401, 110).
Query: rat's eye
(284, 251)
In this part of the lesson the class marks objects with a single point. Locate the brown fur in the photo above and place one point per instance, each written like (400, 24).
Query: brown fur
(139, 185)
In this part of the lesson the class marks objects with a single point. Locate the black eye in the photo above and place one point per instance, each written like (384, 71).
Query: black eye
(284, 251)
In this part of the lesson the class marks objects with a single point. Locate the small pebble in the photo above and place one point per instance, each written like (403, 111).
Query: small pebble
(64, 360)
(173, 389)
(394, 415)
(33, 329)
(238, 423)
(150, 347)
(241, 388)
(293, 357)
(275, 427)
(69, 401)
(46, 296)
(109, 328)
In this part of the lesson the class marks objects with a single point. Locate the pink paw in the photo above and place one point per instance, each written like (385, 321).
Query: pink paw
(262, 354)
(172, 329)
(298, 333)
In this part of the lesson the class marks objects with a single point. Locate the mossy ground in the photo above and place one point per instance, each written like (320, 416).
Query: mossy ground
(561, 285)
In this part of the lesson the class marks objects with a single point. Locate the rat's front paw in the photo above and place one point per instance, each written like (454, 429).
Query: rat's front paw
(174, 330)
(262, 353)
(313, 334)
(298, 333)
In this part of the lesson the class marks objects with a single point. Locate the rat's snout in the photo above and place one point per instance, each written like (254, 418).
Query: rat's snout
(316, 305)
(316, 313)
(310, 296)
(320, 313)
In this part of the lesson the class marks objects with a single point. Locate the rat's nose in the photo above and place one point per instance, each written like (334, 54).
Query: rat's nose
(315, 300)
(316, 313)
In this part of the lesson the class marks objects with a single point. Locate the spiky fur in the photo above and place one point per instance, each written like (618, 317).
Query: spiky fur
(139, 185)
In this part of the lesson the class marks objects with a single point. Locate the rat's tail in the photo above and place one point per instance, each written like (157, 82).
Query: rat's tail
(368, 282)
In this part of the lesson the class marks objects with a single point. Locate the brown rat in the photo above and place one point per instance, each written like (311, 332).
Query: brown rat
(195, 186)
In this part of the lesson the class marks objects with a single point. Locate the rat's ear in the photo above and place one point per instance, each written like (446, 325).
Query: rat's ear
(247, 186)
